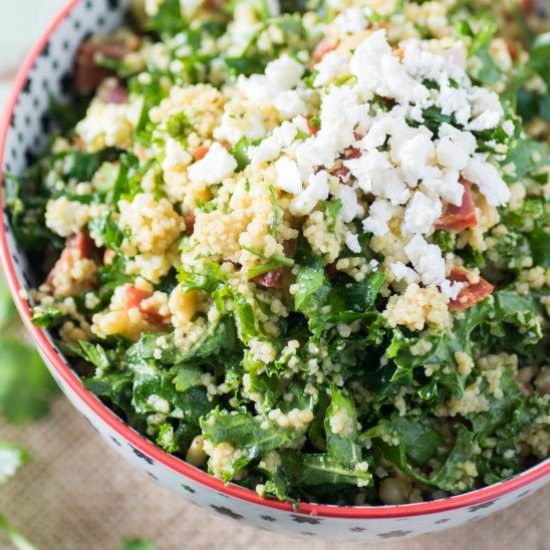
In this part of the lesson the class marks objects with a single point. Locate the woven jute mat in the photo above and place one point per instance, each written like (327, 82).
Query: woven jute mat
(78, 494)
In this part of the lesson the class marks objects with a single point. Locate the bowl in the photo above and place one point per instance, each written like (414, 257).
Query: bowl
(22, 132)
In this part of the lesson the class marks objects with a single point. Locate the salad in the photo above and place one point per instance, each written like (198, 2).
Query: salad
(304, 245)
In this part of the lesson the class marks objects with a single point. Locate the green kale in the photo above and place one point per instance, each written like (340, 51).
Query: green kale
(311, 470)
(341, 428)
(168, 20)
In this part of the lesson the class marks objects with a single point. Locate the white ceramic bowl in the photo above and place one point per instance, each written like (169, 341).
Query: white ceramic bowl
(22, 132)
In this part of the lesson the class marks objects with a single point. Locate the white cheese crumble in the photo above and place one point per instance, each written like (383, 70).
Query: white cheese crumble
(488, 179)
(317, 190)
(352, 242)
(427, 260)
(217, 165)
(288, 176)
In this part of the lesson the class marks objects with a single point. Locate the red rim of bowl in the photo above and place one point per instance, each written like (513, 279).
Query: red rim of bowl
(139, 442)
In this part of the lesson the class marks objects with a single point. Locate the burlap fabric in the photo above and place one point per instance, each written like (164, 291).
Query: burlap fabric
(78, 494)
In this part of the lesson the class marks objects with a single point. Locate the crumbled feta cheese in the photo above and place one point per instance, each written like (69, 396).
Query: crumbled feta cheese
(487, 178)
(284, 73)
(290, 104)
(217, 165)
(288, 176)
(401, 272)
(332, 66)
(380, 213)
(427, 260)
(421, 213)
(352, 242)
(452, 289)
(454, 147)
(447, 185)
(351, 21)
(350, 205)
(415, 157)
(317, 190)
(366, 61)
(486, 110)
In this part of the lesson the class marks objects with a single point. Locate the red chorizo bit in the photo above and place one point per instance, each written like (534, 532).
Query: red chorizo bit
(470, 294)
(326, 45)
(512, 49)
(458, 218)
(399, 53)
(342, 173)
(82, 244)
(135, 297)
(200, 152)
(213, 5)
(89, 75)
(352, 153)
(270, 279)
(189, 218)
(290, 247)
(108, 257)
(330, 270)
(312, 125)
(527, 7)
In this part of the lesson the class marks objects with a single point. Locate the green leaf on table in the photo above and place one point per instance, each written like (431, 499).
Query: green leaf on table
(138, 544)
(7, 310)
(15, 537)
(12, 458)
(26, 387)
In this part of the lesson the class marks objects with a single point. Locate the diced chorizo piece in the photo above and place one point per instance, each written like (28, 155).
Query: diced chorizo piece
(326, 45)
(330, 270)
(200, 152)
(89, 75)
(289, 247)
(64, 279)
(135, 298)
(527, 7)
(83, 243)
(472, 293)
(271, 279)
(458, 218)
(312, 126)
(108, 257)
(189, 218)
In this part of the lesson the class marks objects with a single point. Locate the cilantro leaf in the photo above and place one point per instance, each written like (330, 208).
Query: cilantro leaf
(12, 458)
(16, 538)
(7, 309)
(138, 544)
(26, 387)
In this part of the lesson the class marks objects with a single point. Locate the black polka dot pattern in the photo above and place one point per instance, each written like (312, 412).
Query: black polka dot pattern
(142, 456)
(481, 506)
(226, 512)
(305, 519)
